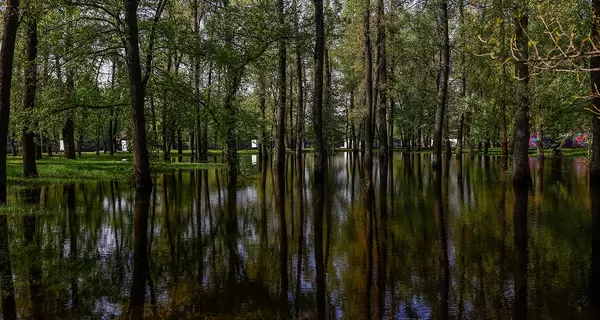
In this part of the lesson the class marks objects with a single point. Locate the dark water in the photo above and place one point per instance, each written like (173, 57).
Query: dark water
(411, 244)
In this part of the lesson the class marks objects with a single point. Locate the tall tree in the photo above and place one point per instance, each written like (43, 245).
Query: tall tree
(7, 53)
(137, 84)
(521, 144)
(29, 148)
(320, 153)
(442, 94)
(369, 129)
(382, 79)
(280, 132)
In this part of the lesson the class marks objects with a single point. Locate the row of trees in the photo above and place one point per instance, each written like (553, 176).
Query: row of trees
(176, 72)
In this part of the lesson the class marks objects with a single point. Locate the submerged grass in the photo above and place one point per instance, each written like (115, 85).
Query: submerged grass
(58, 169)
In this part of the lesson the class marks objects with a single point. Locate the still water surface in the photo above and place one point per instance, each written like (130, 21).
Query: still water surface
(460, 245)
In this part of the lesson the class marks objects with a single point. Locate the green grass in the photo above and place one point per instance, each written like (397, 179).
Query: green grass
(58, 169)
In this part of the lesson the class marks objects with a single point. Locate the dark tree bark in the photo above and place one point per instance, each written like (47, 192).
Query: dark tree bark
(29, 147)
(369, 129)
(382, 79)
(463, 89)
(320, 157)
(443, 86)
(112, 128)
(279, 160)
(68, 128)
(352, 126)
(504, 80)
(521, 173)
(320, 153)
(143, 180)
(7, 53)
(594, 166)
(262, 147)
(300, 111)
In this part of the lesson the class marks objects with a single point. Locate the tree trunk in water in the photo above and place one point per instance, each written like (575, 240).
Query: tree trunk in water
(320, 154)
(595, 77)
(279, 160)
(442, 88)
(320, 160)
(262, 148)
(504, 81)
(368, 155)
(29, 147)
(382, 80)
(448, 144)
(300, 111)
(143, 180)
(521, 174)
(391, 114)
(352, 127)
(459, 138)
(7, 54)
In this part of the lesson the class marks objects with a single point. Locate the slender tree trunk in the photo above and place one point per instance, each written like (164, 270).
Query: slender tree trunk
(262, 148)
(443, 86)
(392, 106)
(179, 142)
(29, 147)
(143, 180)
(540, 142)
(352, 127)
(521, 174)
(459, 138)
(279, 155)
(382, 79)
(504, 81)
(369, 129)
(594, 166)
(300, 111)
(320, 154)
(320, 157)
(198, 124)
(7, 53)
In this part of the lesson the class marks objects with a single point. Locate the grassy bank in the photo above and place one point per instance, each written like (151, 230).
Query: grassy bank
(58, 169)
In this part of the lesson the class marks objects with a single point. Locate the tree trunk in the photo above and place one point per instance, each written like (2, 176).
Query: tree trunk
(459, 138)
(320, 154)
(320, 160)
(392, 106)
(521, 174)
(29, 147)
(179, 142)
(262, 148)
(7, 53)
(143, 180)
(279, 151)
(442, 88)
(594, 166)
(540, 142)
(504, 80)
(300, 111)
(382, 80)
(369, 129)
